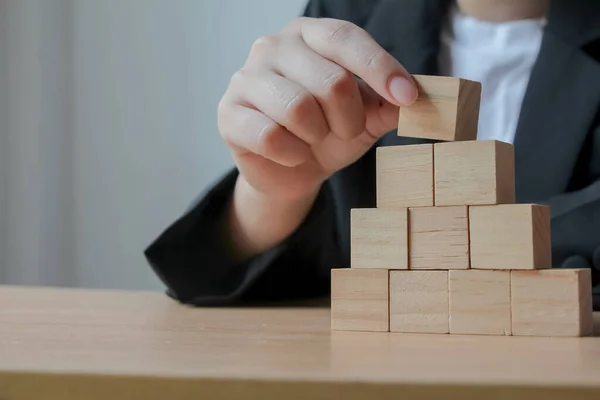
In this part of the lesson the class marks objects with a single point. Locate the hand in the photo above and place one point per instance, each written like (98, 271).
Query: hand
(295, 113)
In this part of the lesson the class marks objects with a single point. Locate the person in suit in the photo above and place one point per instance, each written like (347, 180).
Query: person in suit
(307, 110)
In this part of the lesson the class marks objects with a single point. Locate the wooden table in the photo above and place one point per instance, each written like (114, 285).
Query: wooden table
(90, 344)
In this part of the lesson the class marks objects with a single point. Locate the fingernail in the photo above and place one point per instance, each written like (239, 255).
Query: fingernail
(403, 90)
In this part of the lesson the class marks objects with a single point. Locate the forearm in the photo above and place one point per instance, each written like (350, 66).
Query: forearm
(193, 256)
(255, 223)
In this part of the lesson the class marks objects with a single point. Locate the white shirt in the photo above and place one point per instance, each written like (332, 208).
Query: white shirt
(501, 57)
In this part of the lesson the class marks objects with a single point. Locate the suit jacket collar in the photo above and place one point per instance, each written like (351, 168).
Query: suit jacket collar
(561, 100)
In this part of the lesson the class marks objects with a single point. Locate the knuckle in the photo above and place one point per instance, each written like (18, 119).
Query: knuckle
(238, 77)
(267, 138)
(299, 107)
(303, 19)
(264, 45)
(340, 83)
(221, 114)
(295, 24)
(340, 31)
(373, 59)
(223, 117)
(221, 106)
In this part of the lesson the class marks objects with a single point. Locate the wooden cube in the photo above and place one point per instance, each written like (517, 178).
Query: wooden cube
(446, 108)
(419, 301)
(474, 173)
(552, 302)
(438, 237)
(379, 238)
(404, 176)
(480, 302)
(360, 300)
(510, 236)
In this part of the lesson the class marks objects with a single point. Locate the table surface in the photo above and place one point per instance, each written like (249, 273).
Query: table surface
(76, 343)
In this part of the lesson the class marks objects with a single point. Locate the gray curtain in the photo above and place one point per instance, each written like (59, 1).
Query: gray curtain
(35, 190)
(108, 127)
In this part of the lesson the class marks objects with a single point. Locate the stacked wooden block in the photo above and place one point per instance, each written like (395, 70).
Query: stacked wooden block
(446, 249)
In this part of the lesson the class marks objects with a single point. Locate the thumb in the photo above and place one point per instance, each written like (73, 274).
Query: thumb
(381, 115)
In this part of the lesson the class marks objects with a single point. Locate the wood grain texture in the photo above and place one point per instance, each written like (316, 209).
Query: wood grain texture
(404, 176)
(419, 301)
(480, 302)
(379, 238)
(438, 237)
(446, 109)
(360, 300)
(510, 236)
(552, 302)
(68, 344)
(474, 173)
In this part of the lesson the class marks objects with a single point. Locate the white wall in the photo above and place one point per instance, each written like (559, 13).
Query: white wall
(148, 75)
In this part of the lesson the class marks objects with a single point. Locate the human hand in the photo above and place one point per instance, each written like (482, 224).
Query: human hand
(296, 112)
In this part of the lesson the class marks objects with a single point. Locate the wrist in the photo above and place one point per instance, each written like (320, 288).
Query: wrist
(258, 221)
(248, 196)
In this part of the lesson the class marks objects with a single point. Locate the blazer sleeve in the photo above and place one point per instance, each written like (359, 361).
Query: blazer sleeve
(192, 259)
(575, 220)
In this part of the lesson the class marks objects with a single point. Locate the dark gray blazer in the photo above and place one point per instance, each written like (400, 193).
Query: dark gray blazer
(557, 156)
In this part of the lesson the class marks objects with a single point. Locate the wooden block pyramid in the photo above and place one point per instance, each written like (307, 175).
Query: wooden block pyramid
(446, 250)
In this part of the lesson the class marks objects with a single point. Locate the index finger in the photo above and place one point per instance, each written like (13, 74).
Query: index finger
(354, 49)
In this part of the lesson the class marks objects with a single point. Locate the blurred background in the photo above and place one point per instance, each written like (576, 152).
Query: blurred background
(108, 127)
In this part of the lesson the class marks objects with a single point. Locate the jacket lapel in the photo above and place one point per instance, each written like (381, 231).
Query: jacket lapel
(561, 101)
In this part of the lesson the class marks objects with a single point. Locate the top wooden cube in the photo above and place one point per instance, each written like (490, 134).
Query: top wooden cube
(446, 109)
